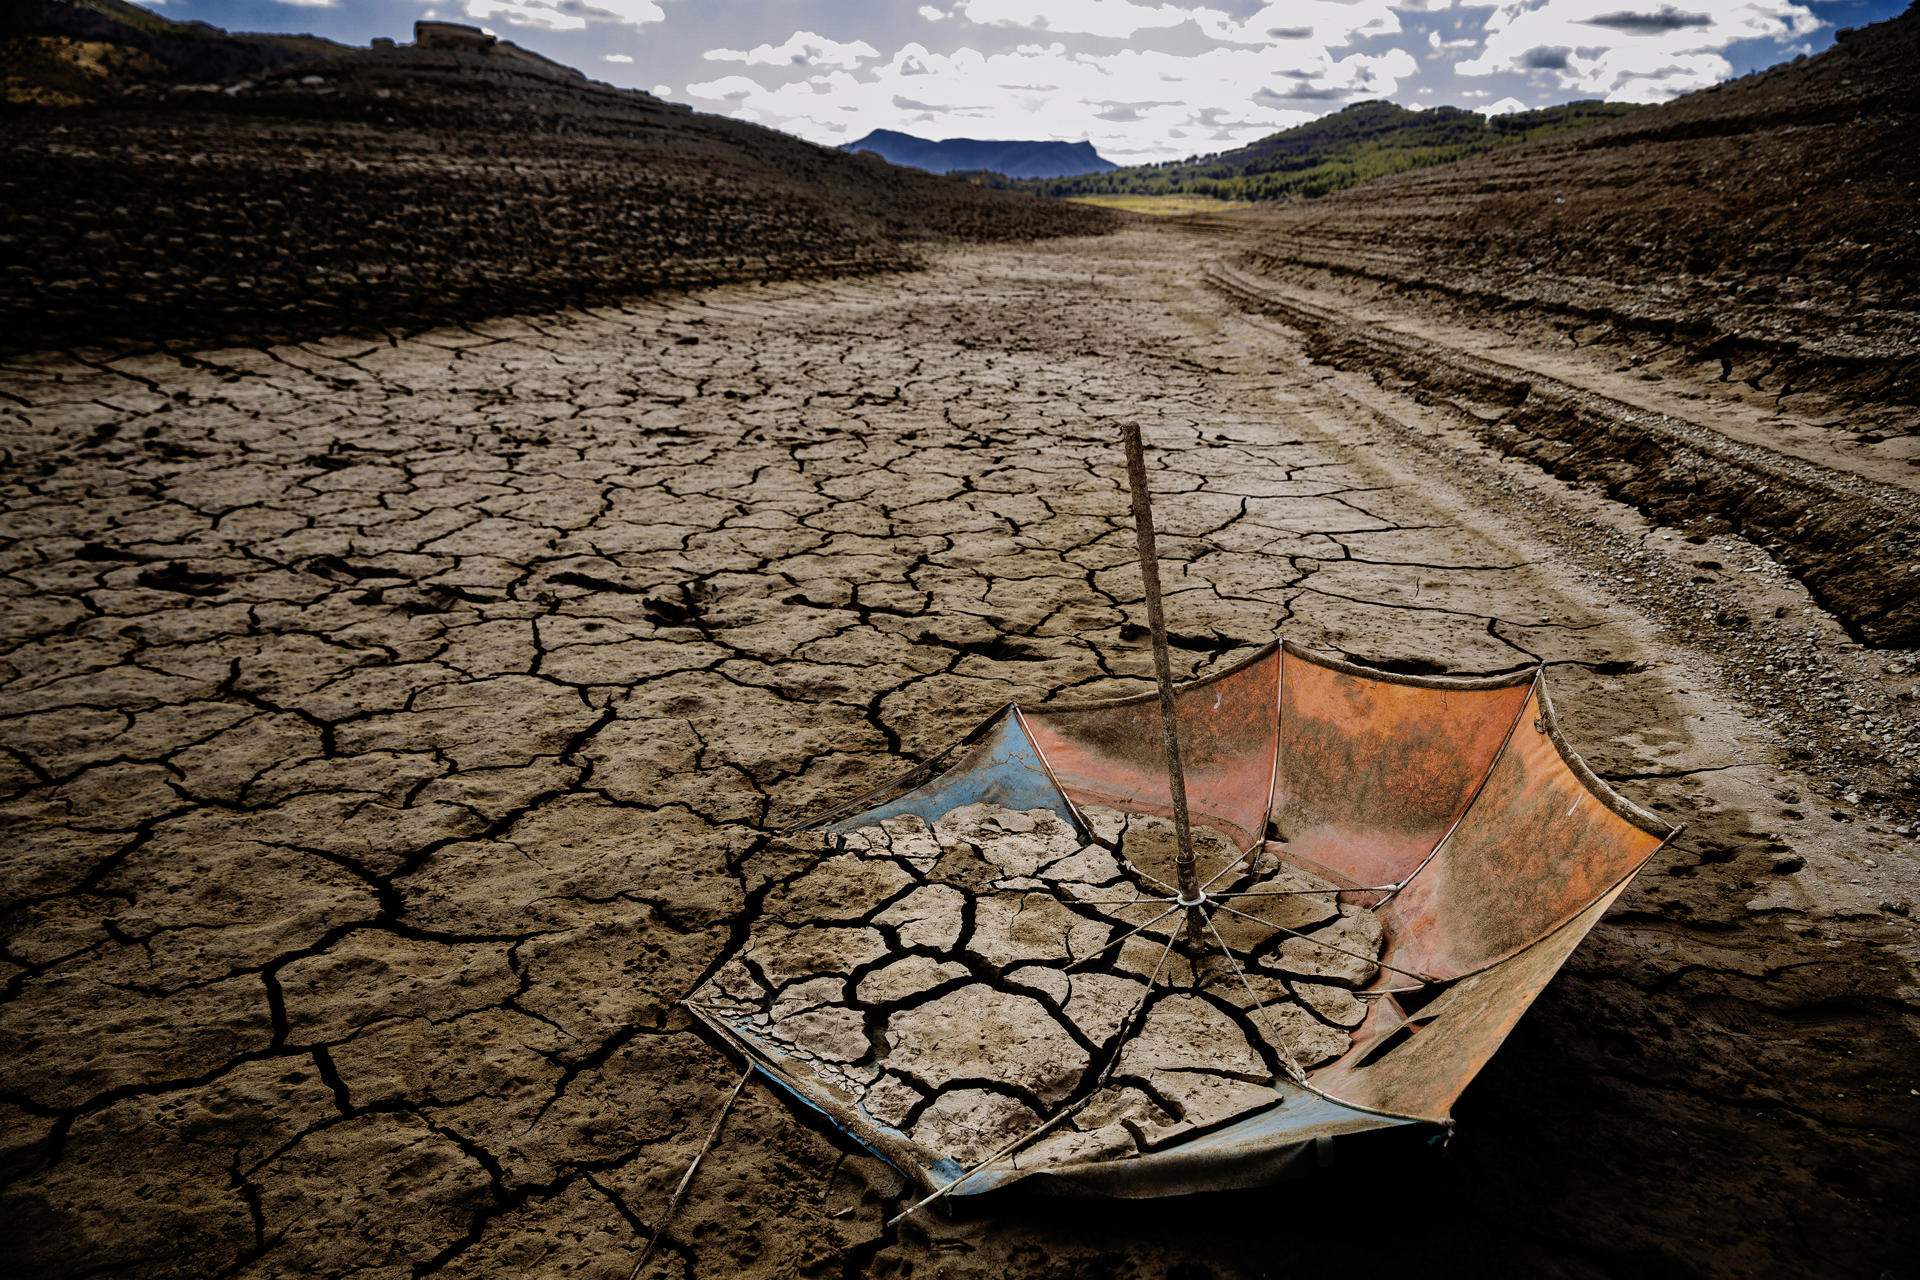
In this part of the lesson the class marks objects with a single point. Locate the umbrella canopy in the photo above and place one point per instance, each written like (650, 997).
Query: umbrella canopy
(992, 973)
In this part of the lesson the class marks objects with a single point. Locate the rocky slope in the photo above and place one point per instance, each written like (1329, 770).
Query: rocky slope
(398, 187)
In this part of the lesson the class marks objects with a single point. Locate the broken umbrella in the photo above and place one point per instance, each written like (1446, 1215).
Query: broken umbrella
(1181, 941)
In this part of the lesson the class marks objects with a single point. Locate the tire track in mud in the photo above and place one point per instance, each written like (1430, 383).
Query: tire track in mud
(1853, 541)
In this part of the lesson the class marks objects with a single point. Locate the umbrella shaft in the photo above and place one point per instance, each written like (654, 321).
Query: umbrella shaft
(1157, 624)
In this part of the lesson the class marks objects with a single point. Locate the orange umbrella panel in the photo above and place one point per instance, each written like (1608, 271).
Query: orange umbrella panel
(1111, 753)
(1373, 769)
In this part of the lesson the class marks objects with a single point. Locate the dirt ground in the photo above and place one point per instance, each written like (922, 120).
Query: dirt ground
(395, 731)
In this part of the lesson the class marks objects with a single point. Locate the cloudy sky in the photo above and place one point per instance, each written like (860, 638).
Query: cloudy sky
(1142, 79)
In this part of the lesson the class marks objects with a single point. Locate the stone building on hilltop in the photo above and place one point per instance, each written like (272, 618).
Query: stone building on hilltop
(460, 38)
(452, 35)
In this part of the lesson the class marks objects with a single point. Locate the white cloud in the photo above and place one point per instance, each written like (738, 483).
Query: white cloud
(1115, 18)
(732, 89)
(802, 49)
(1505, 106)
(308, 4)
(1133, 105)
(1285, 62)
(632, 13)
(1323, 22)
(566, 15)
(1629, 50)
(620, 58)
(661, 90)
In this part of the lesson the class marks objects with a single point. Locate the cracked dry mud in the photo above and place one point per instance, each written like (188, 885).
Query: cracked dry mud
(397, 731)
(1052, 958)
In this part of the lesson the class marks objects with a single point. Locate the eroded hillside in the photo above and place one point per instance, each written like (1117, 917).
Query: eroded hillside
(399, 187)
(1767, 226)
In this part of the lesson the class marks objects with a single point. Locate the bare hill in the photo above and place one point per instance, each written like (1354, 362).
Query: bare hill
(1769, 226)
(403, 186)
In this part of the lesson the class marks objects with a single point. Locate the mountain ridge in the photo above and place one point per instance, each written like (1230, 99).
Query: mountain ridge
(1012, 158)
(1360, 142)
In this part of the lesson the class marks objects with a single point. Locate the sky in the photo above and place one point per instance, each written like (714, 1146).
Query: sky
(1143, 80)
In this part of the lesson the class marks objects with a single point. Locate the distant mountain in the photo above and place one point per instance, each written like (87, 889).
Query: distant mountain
(1366, 140)
(957, 155)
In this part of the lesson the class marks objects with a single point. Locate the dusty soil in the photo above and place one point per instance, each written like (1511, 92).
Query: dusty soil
(397, 729)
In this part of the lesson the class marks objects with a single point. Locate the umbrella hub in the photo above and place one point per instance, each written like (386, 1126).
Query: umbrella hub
(1199, 899)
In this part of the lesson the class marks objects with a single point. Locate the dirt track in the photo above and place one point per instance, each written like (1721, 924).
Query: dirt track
(394, 731)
